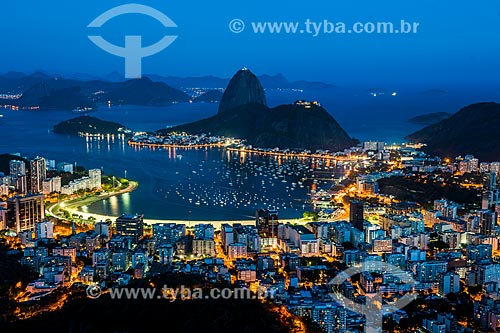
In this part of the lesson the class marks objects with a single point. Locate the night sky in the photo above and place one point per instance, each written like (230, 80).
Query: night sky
(457, 41)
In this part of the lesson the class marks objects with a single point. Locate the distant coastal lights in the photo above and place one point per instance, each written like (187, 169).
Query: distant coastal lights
(307, 104)
(381, 93)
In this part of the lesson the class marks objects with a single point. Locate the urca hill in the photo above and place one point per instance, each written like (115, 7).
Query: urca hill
(243, 113)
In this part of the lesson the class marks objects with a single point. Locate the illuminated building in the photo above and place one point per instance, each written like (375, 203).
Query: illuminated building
(330, 317)
(168, 232)
(449, 283)
(131, 225)
(479, 254)
(267, 223)
(45, 229)
(204, 247)
(25, 211)
(38, 174)
(487, 221)
(430, 271)
(227, 235)
(356, 211)
(16, 169)
(236, 250)
(166, 253)
(51, 185)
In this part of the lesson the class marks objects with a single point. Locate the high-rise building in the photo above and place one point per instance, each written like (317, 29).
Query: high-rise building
(204, 247)
(373, 146)
(4, 189)
(3, 217)
(227, 235)
(479, 253)
(330, 317)
(21, 184)
(446, 208)
(103, 229)
(166, 253)
(468, 164)
(430, 271)
(491, 181)
(56, 184)
(356, 211)
(65, 167)
(51, 164)
(473, 164)
(121, 260)
(45, 229)
(23, 212)
(204, 231)
(168, 233)
(51, 185)
(38, 170)
(491, 194)
(488, 273)
(487, 221)
(131, 225)
(17, 168)
(449, 283)
(47, 186)
(495, 167)
(267, 223)
(236, 250)
(95, 178)
(17, 171)
(490, 199)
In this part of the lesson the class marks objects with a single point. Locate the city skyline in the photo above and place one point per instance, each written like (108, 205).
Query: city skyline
(322, 167)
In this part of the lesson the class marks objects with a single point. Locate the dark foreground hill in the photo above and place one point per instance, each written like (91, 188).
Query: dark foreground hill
(472, 130)
(152, 314)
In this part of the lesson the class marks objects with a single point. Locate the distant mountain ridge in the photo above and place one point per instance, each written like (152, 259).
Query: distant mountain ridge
(17, 80)
(277, 81)
(48, 91)
(430, 118)
(67, 94)
(472, 130)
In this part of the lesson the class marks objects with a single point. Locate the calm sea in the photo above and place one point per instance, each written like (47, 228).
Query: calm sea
(207, 184)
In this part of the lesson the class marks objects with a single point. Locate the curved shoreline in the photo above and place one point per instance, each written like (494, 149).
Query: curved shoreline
(72, 205)
(72, 208)
(172, 145)
(189, 223)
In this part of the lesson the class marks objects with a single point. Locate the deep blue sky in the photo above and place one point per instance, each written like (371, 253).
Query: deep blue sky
(458, 41)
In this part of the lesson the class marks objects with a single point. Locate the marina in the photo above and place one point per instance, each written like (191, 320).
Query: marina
(215, 180)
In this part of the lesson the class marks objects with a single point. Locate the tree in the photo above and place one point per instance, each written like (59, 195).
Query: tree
(313, 216)
(439, 245)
